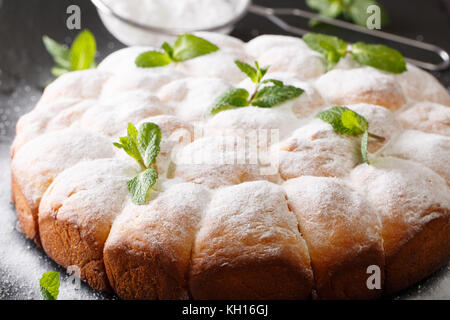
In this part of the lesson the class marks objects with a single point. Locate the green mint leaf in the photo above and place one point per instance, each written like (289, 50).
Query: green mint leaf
(354, 122)
(364, 143)
(271, 96)
(357, 12)
(188, 46)
(149, 140)
(168, 49)
(344, 121)
(231, 99)
(130, 145)
(152, 59)
(332, 48)
(58, 71)
(140, 186)
(379, 56)
(59, 53)
(251, 72)
(327, 8)
(83, 51)
(278, 83)
(49, 284)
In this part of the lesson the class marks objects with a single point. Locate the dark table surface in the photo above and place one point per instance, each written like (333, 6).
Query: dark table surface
(25, 69)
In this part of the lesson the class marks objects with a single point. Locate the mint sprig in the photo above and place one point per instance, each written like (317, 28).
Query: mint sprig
(49, 285)
(80, 56)
(351, 10)
(332, 48)
(375, 55)
(143, 145)
(186, 47)
(345, 121)
(267, 97)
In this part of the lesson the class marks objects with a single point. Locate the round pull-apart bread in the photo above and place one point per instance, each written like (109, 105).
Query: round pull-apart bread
(251, 203)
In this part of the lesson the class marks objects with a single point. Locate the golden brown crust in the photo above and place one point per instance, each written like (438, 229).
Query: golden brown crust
(278, 277)
(146, 274)
(27, 216)
(426, 252)
(63, 242)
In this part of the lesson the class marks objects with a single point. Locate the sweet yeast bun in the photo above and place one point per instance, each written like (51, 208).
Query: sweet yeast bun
(315, 149)
(261, 44)
(111, 116)
(420, 85)
(343, 234)
(85, 84)
(427, 117)
(361, 85)
(148, 252)
(62, 114)
(244, 122)
(39, 161)
(221, 161)
(192, 98)
(249, 247)
(76, 214)
(431, 150)
(414, 207)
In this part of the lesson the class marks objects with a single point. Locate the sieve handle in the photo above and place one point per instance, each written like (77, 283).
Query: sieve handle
(272, 15)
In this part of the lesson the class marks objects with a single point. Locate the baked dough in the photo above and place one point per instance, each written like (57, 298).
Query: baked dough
(304, 223)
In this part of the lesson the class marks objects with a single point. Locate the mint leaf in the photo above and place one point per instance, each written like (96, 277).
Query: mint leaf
(354, 122)
(188, 46)
(327, 8)
(83, 51)
(140, 186)
(270, 96)
(364, 143)
(149, 140)
(58, 71)
(278, 83)
(152, 59)
(130, 145)
(344, 121)
(59, 53)
(251, 72)
(144, 146)
(49, 285)
(168, 49)
(332, 48)
(231, 99)
(379, 56)
(255, 74)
